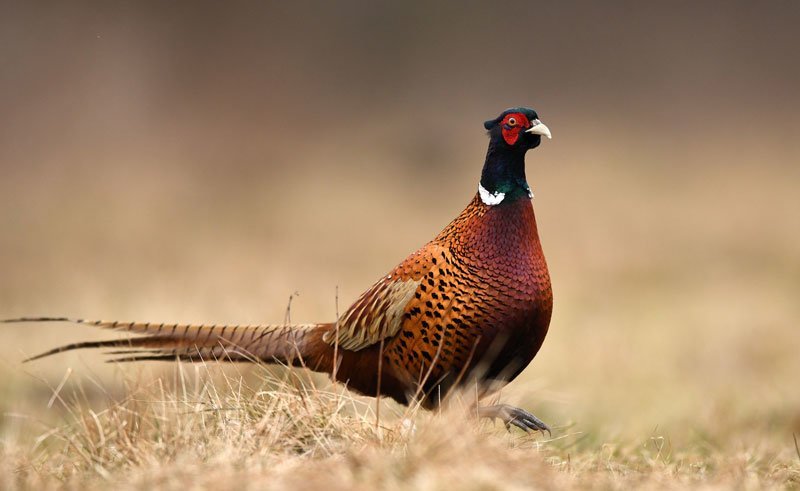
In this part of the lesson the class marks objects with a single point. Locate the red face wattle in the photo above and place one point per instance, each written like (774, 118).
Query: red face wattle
(512, 125)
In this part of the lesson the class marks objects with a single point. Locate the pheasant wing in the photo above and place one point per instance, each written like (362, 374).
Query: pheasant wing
(379, 312)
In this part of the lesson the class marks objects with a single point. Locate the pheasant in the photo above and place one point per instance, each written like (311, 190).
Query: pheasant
(472, 306)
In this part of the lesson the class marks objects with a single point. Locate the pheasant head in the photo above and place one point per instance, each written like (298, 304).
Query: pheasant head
(511, 135)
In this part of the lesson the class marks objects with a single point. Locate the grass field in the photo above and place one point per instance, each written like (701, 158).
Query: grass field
(672, 361)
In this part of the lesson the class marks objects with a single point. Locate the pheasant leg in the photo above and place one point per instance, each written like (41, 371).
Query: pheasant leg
(511, 415)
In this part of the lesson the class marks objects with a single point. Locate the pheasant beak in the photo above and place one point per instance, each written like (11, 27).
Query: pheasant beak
(539, 128)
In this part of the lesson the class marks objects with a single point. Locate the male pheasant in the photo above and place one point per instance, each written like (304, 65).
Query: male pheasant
(471, 306)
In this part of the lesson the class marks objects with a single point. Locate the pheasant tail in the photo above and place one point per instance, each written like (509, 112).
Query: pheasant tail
(295, 344)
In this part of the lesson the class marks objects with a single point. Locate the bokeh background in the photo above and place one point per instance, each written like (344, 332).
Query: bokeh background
(190, 161)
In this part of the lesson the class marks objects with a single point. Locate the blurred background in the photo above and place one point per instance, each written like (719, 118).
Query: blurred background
(191, 161)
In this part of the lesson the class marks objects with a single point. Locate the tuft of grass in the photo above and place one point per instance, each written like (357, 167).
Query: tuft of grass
(205, 428)
(796, 446)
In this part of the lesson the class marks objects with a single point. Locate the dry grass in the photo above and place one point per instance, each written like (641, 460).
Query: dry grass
(217, 431)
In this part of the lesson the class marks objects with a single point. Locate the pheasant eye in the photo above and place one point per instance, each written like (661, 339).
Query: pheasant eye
(512, 122)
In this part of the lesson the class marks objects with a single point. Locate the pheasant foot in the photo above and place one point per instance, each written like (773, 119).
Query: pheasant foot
(511, 415)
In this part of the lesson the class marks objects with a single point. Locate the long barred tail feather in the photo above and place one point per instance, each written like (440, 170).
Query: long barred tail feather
(170, 341)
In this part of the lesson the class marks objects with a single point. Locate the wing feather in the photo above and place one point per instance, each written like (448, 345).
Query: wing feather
(379, 312)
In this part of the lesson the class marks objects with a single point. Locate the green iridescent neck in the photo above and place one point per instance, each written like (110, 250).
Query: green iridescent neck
(503, 176)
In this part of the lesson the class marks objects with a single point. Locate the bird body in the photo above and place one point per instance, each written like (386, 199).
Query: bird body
(471, 306)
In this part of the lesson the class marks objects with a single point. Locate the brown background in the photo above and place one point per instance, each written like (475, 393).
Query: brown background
(202, 162)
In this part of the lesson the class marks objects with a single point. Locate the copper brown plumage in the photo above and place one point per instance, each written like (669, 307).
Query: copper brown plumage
(472, 305)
